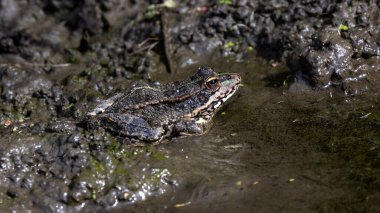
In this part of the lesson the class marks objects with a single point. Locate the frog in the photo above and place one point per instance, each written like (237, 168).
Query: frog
(150, 112)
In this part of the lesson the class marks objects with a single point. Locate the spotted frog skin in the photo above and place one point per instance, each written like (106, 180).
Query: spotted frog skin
(150, 113)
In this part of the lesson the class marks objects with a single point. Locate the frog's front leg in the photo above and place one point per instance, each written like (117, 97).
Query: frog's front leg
(131, 126)
(190, 127)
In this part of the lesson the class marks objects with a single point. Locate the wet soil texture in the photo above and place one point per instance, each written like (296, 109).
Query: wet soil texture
(301, 135)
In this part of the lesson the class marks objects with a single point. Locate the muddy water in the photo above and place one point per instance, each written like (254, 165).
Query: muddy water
(274, 150)
(271, 148)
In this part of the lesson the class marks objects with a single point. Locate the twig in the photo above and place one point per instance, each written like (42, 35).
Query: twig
(166, 41)
(141, 44)
(143, 48)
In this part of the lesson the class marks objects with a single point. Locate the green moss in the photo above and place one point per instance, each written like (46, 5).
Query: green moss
(114, 147)
(156, 154)
(98, 166)
(229, 44)
(121, 171)
(93, 195)
(343, 27)
(227, 2)
(16, 114)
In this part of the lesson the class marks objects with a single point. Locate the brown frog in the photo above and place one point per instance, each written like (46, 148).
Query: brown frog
(150, 113)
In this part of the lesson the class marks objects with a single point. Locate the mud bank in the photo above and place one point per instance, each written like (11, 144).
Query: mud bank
(325, 44)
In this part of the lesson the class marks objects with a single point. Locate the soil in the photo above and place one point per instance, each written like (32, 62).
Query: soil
(300, 135)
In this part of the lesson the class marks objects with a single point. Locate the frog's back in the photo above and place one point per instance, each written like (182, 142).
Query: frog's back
(143, 95)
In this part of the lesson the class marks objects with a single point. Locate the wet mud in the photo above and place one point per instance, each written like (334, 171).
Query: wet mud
(300, 135)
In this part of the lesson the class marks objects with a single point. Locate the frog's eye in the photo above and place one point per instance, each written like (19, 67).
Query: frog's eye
(213, 83)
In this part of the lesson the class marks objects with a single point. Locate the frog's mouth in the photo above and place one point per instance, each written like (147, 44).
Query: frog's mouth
(230, 84)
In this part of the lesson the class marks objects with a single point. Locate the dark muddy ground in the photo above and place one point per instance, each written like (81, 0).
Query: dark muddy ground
(300, 135)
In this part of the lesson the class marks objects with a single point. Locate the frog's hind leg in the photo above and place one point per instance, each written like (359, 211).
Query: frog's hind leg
(131, 126)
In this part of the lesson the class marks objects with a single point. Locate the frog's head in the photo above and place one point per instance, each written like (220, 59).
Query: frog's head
(216, 89)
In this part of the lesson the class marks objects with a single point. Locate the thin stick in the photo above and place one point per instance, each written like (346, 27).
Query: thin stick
(166, 41)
